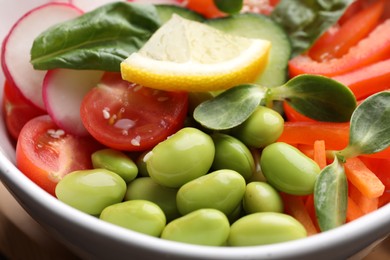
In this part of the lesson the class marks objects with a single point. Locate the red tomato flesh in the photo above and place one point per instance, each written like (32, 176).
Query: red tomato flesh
(45, 153)
(130, 117)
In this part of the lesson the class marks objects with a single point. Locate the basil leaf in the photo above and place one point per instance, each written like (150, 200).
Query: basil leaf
(331, 196)
(317, 97)
(370, 126)
(230, 108)
(98, 40)
(306, 20)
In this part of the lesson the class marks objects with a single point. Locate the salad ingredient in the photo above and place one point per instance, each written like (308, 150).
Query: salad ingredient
(374, 48)
(45, 153)
(88, 6)
(306, 20)
(363, 178)
(205, 7)
(115, 161)
(64, 88)
(16, 48)
(139, 215)
(331, 196)
(17, 110)
(289, 170)
(367, 80)
(349, 33)
(91, 191)
(319, 153)
(296, 207)
(200, 65)
(263, 127)
(166, 10)
(265, 228)
(130, 117)
(103, 38)
(229, 6)
(316, 96)
(191, 152)
(261, 27)
(261, 197)
(231, 153)
(222, 190)
(201, 227)
(145, 188)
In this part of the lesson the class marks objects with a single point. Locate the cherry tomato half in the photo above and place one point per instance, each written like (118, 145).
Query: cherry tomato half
(130, 117)
(45, 153)
(17, 110)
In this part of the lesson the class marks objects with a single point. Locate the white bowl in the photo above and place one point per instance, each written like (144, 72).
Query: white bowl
(89, 237)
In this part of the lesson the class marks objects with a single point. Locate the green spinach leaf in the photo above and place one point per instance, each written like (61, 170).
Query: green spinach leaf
(99, 40)
(306, 20)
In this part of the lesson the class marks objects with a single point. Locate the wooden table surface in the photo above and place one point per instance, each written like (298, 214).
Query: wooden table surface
(23, 238)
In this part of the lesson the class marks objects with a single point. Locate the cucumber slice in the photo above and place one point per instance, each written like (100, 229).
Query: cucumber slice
(260, 26)
(165, 12)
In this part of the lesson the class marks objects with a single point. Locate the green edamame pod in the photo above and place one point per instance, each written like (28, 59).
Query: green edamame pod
(231, 153)
(91, 191)
(145, 188)
(263, 127)
(186, 155)
(265, 228)
(115, 161)
(222, 190)
(202, 227)
(289, 170)
(261, 197)
(139, 215)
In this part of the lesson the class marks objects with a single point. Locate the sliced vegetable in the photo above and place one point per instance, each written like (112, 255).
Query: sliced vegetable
(319, 153)
(306, 20)
(229, 6)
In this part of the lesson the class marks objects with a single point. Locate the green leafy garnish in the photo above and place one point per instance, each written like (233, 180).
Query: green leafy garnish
(369, 133)
(229, 6)
(99, 40)
(317, 97)
(306, 20)
(230, 108)
(331, 196)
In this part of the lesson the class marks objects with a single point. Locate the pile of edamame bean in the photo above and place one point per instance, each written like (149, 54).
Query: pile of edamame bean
(215, 189)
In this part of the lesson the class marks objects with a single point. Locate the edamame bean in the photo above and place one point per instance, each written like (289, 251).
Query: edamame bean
(184, 156)
(91, 190)
(231, 153)
(202, 227)
(261, 197)
(265, 228)
(141, 165)
(262, 128)
(288, 169)
(146, 189)
(115, 161)
(258, 173)
(139, 215)
(222, 190)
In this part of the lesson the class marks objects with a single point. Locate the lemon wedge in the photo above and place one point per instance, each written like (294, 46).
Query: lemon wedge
(184, 55)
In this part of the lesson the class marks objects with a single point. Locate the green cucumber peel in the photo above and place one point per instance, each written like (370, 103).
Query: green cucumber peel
(317, 97)
(331, 196)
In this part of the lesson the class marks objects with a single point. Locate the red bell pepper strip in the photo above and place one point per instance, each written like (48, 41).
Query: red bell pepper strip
(373, 48)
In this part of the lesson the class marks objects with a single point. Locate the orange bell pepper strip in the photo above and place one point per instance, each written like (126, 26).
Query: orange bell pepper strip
(373, 48)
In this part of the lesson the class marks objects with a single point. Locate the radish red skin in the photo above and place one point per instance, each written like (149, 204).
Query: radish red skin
(15, 49)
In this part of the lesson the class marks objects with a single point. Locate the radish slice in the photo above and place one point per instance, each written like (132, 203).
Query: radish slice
(167, 2)
(63, 92)
(15, 58)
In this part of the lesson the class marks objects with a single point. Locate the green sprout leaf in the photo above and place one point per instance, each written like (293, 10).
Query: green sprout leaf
(230, 108)
(331, 196)
(370, 126)
(317, 97)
